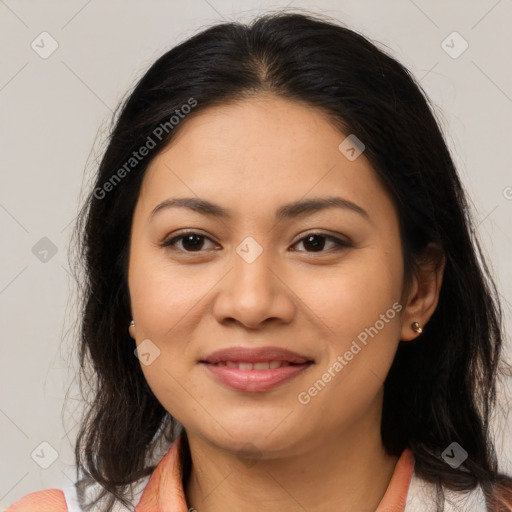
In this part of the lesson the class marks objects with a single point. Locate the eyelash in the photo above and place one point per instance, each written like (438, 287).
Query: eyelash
(169, 244)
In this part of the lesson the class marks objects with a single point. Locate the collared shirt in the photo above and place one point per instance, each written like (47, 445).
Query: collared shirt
(163, 492)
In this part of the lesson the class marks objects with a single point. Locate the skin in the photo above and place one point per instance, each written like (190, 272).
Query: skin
(253, 156)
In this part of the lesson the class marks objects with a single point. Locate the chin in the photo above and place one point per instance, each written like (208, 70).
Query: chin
(258, 436)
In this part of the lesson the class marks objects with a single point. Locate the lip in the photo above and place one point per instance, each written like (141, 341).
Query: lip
(255, 355)
(255, 381)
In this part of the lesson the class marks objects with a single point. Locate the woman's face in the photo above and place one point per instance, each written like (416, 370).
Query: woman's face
(255, 278)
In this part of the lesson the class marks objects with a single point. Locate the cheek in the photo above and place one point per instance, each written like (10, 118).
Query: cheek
(363, 315)
(162, 294)
(358, 292)
(164, 303)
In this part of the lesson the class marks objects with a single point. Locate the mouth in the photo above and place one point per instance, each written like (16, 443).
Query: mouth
(261, 365)
(255, 369)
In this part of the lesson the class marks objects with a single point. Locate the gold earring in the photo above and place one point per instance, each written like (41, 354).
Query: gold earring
(415, 326)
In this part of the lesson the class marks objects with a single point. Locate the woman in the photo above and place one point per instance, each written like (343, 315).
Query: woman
(282, 284)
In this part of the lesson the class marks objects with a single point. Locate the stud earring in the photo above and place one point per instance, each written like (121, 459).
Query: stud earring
(132, 324)
(415, 326)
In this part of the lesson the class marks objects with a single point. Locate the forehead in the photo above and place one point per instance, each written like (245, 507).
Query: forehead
(261, 152)
(241, 136)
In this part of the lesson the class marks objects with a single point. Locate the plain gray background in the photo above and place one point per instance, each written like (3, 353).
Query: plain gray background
(53, 107)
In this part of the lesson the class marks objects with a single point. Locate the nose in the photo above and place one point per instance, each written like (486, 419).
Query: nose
(254, 293)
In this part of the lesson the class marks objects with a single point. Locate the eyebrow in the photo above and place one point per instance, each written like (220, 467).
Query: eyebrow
(287, 211)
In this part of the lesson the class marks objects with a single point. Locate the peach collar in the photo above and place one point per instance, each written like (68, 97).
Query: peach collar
(164, 491)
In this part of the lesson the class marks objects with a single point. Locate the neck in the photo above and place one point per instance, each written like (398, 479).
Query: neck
(348, 472)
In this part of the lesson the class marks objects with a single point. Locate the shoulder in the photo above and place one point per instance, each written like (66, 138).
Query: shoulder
(422, 497)
(66, 499)
(49, 500)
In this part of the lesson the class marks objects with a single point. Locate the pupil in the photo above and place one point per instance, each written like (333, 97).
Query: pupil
(189, 240)
(318, 245)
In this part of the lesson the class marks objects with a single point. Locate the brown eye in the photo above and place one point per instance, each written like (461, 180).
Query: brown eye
(316, 242)
(190, 242)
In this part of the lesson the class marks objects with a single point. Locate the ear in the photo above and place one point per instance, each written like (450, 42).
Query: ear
(422, 295)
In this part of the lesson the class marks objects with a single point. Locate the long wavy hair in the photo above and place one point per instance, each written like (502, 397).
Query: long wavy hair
(440, 389)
